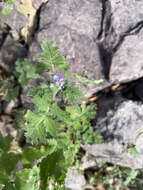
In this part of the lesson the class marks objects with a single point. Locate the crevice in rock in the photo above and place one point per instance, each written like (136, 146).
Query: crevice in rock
(132, 31)
(37, 17)
(106, 56)
(108, 40)
(106, 19)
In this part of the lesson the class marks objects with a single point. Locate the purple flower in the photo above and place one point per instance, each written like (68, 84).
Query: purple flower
(58, 80)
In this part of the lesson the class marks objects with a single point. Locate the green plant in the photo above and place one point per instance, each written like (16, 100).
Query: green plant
(54, 129)
(10, 89)
(112, 176)
(8, 9)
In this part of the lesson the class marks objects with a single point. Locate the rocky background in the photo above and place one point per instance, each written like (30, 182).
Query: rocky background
(101, 39)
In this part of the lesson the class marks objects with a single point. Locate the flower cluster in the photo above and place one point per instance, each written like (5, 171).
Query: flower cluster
(58, 81)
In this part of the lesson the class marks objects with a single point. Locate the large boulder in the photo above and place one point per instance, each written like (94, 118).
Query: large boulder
(74, 28)
(122, 18)
(127, 62)
(121, 126)
(126, 15)
(15, 20)
(122, 40)
(10, 52)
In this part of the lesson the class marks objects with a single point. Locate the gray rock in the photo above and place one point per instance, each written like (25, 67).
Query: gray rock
(7, 107)
(10, 52)
(37, 3)
(15, 20)
(73, 27)
(122, 18)
(74, 181)
(126, 15)
(6, 126)
(122, 128)
(3, 32)
(127, 64)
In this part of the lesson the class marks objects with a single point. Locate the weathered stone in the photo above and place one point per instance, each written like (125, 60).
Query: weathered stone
(3, 32)
(121, 128)
(7, 107)
(121, 18)
(10, 52)
(37, 3)
(15, 20)
(126, 14)
(127, 64)
(6, 128)
(74, 181)
(73, 27)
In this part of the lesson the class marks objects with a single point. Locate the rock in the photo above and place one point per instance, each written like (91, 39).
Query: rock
(122, 129)
(126, 15)
(3, 32)
(87, 162)
(122, 39)
(6, 128)
(37, 3)
(10, 52)
(74, 28)
(122, 18)
(127, 64)
(15, 20)
(8, 106)
(74, 181)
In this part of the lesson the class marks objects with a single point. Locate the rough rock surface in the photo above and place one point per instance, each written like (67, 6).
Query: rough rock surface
(15, 20)
(126, 15)
(10, 52)
(121, 128)
(74, 181)
(74, 27)
(37, 3)
(122, 36)
(127, 62)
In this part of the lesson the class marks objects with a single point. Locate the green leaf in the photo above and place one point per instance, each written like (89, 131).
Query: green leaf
(51, 58)
(8, 162)
(53, 166)
(59, 113)
(133, 150)
(67, 75)
(10, 2)
(25, 70)
(35, 130)
(6, 11)
(132, 175)
(5, 143)
(39, 126)
(12, 93)
(4, 178)
(71, 93)
(32, 154)
(28, 179)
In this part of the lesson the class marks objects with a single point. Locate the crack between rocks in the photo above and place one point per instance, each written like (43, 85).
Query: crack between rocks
(106, 19)
(104, 31)
(37, 18)
(106, 28)
(132, 31)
